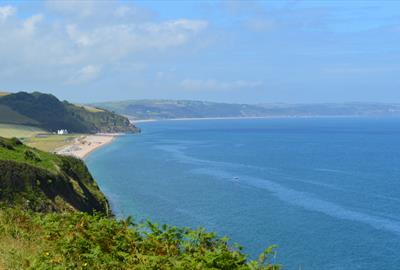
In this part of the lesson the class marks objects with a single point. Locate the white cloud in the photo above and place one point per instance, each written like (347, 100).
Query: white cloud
(6, 12)
(74, 8)
(30, 24)
(169, 33)
(103, 36)
(128, 37)
(77, 37)
(211, 84)
(86, 74)
(95, 11)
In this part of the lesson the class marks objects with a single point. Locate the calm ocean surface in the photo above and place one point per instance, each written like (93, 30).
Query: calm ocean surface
(326, 191)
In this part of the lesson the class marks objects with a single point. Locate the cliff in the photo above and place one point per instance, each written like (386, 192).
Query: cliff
(46, 182)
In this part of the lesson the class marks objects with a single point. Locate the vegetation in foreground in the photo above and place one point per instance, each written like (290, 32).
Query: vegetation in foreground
(78, 240)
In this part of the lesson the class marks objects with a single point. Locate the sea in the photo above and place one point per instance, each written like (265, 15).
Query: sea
(325, 191)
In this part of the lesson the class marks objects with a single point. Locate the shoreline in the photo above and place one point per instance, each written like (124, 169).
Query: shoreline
(138, 121)
(84, 145)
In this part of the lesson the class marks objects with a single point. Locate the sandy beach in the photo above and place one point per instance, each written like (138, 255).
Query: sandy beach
(84, 145)
(136, 121)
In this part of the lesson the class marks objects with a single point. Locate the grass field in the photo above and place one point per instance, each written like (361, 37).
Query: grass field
(51, 142)
(90, 108)
(19, 131)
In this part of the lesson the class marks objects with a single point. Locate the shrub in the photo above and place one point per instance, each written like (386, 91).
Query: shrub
(30, 155)
(83, 241)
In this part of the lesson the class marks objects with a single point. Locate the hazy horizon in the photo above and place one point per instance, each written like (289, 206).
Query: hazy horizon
(222, 51)
(210, 101)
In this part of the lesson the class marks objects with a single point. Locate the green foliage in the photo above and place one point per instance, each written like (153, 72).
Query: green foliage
(9, 116)
(6, 144)
(101, 120)
(30, 155)
(83, 241)
(13, 149)
(15, 141)
(42, 181)
(47, 112)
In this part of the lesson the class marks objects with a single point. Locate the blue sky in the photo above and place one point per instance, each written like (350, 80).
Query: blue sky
(231, 51)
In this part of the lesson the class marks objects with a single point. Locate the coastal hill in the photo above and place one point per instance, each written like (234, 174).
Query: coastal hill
(54, 216)
(46, 182)
(172, 109)
(45, 111)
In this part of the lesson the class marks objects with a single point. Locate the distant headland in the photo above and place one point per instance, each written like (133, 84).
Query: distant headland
(139, 110)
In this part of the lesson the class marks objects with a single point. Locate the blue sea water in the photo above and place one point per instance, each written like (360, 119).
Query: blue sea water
(326, 191)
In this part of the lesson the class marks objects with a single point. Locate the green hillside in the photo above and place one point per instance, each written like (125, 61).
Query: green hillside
(54, 216)
(42, 181)
(170, 109)
(47, 112)
(9, 116)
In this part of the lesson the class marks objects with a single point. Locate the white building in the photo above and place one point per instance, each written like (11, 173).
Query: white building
(62, 132)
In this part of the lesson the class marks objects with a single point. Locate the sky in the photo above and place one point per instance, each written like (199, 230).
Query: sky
(226, 51)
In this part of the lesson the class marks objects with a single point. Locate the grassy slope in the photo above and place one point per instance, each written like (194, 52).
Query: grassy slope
(10, 116)
(17, 152)
(90, 108)
(49, 113)
(47, 142)
(44, 181)
(19, 131)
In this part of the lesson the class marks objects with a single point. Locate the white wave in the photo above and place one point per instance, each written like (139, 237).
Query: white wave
(311, 202)
(297, 198)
